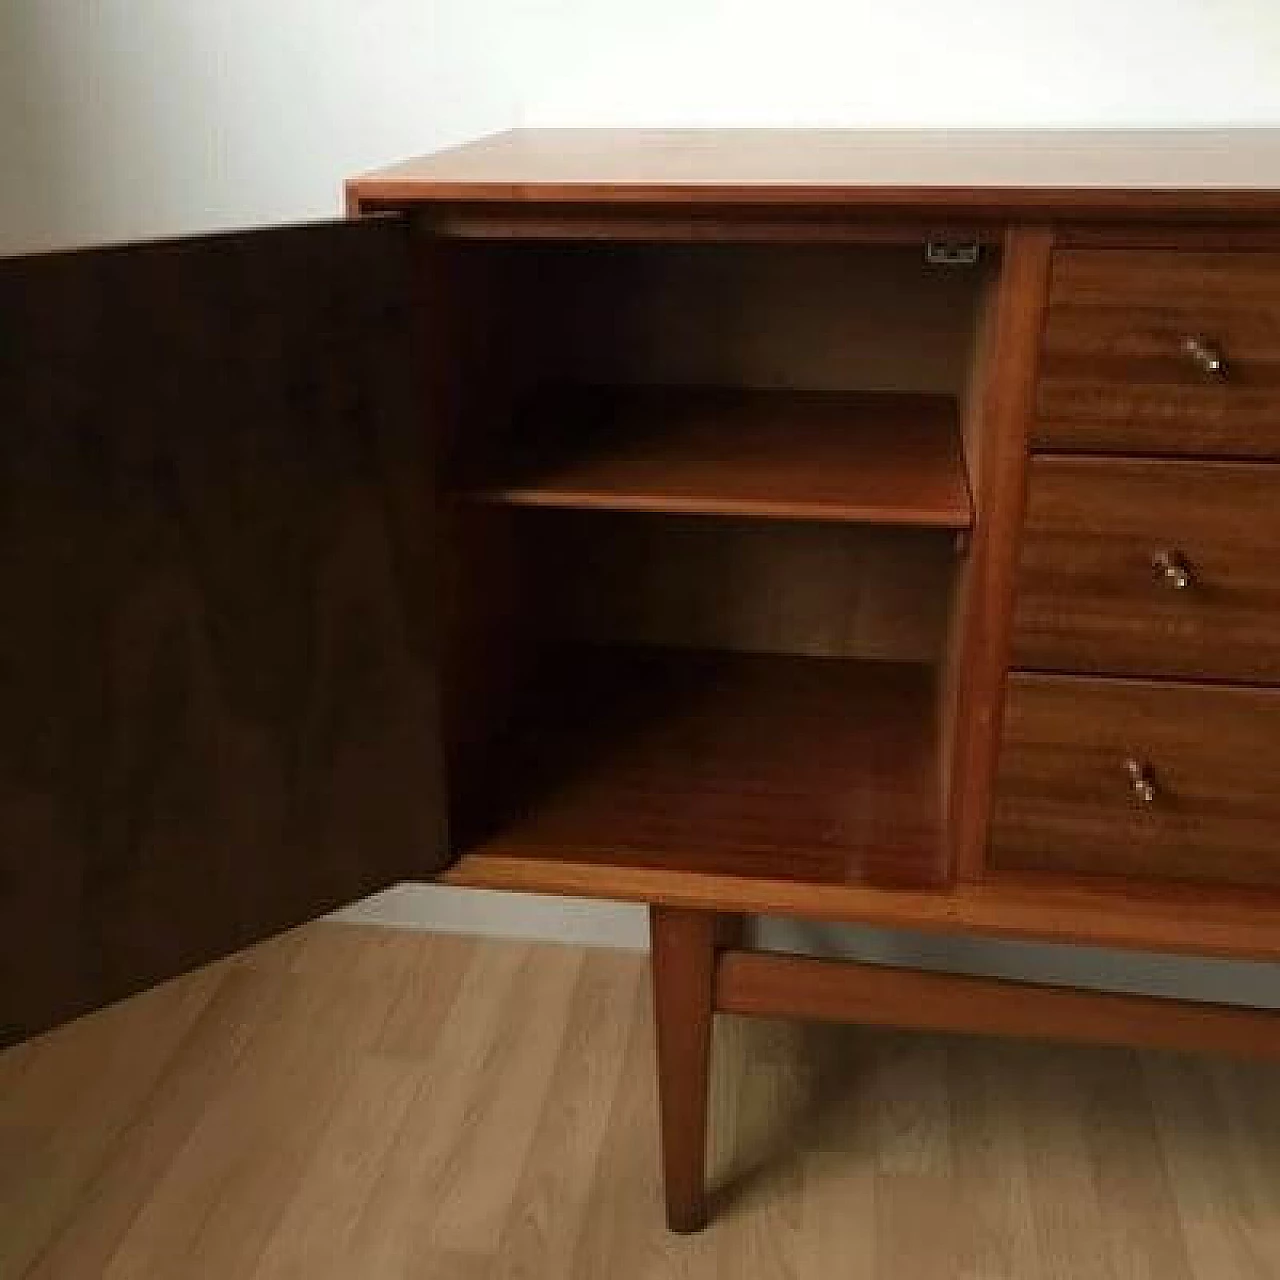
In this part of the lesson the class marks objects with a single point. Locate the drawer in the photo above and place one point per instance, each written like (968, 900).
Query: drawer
(1150, 568)
(1130, 344)
(1139, 778)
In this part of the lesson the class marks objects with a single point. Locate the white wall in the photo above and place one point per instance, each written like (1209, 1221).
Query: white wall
(891, 63)
(128, 118)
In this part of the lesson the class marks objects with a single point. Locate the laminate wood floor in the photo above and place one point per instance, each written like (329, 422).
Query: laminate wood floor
(362, 1103)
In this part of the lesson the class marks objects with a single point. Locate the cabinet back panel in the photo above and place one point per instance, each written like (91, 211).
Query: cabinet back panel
(814, 317)
(778, 587)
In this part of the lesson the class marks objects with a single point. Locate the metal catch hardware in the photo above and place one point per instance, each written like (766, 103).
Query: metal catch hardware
(951, 253)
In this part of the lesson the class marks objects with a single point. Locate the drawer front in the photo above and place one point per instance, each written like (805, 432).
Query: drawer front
(1150, 568)
(1139, 778)
(1131, 343)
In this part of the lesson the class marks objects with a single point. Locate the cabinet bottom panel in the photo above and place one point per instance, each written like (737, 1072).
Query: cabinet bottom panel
(820, 770)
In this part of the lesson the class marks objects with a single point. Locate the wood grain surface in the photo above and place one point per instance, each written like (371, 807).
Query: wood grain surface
(1101, 542)
(1014, 173)
(998, 412)
(216, 664)
(803, 317)
(860, 458)
(819, 771)
(1182, 918)
(682, 961)
(1065, 797)
(804, 588)
(1116, 374)
(777, 986)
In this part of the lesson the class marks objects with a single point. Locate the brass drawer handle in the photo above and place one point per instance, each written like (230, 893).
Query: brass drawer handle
(1140, 779)
(1172, 570)
(1205, 354)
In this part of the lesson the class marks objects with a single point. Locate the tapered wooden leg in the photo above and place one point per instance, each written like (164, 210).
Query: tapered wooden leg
(683, 959)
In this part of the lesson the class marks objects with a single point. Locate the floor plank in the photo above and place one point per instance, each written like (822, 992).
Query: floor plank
(78, 1130)
(556, 1178)
(351, 1101)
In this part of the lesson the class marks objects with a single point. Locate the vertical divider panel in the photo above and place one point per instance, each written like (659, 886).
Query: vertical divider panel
(998, 414)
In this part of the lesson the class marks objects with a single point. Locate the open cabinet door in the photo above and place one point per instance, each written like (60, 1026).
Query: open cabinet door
(218, 712)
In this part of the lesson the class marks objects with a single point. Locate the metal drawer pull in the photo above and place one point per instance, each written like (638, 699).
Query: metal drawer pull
(1172, 570)
(1205, 354)
(1140, 779)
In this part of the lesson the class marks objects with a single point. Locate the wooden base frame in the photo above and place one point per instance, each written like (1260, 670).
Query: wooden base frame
(699, 969)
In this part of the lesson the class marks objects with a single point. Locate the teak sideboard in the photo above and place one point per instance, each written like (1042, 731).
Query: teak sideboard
(867, 527)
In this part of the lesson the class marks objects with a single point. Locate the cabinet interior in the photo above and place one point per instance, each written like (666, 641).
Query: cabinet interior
(704, 508)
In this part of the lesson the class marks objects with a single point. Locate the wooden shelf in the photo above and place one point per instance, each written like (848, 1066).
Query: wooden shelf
(819, 770)
(870, 458)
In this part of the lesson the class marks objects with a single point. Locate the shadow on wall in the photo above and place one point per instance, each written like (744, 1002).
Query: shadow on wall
(35, 151)
(1177, 977)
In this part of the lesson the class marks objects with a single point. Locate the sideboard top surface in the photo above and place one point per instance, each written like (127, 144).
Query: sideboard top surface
(1210, 172)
